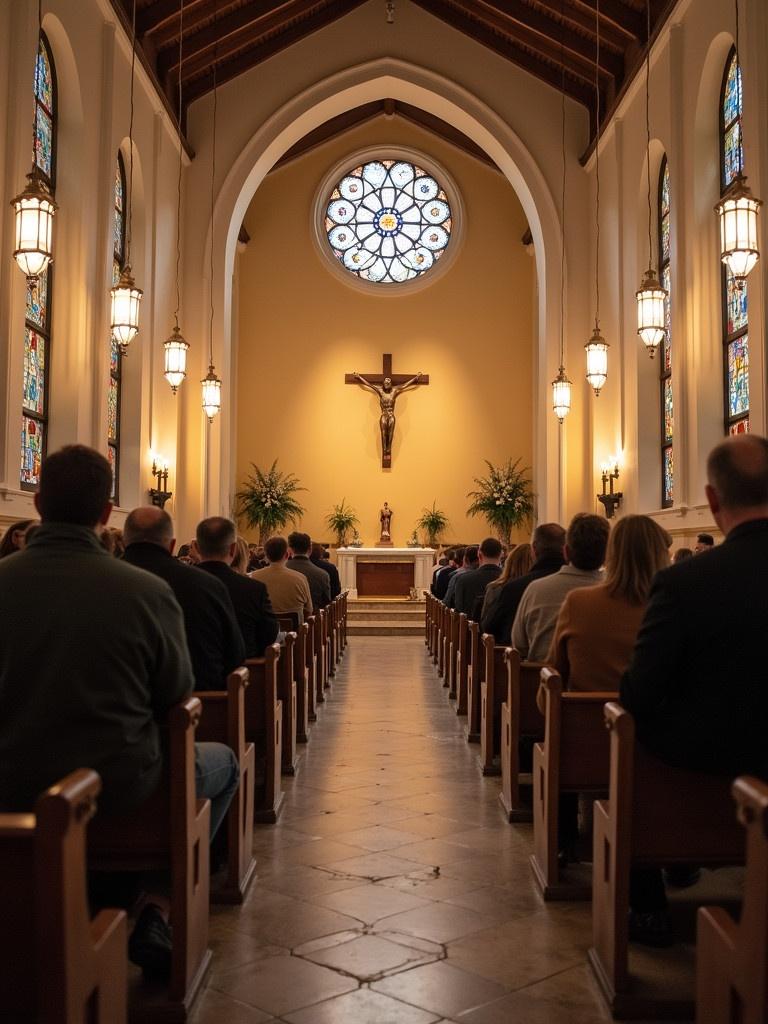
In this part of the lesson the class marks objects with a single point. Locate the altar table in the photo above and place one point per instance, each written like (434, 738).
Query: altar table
(384, 572)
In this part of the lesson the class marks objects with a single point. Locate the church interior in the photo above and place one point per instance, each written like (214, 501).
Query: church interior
(413, 252)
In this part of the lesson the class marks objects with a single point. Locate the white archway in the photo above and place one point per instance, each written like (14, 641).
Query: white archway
(324, 100)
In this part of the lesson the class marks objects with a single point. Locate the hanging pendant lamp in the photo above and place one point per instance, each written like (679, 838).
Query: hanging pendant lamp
(211, 383)
(597, 347)
(125, 295)
(561, 386)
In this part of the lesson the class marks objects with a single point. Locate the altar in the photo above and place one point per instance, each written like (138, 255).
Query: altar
(384, 571)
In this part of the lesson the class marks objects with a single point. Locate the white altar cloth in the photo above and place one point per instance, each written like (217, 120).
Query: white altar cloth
(347, 558)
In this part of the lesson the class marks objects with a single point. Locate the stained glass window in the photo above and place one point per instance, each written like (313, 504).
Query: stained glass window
(114, 392)
(37, 313)
(388, 221)
(665, 367)
(735, 296)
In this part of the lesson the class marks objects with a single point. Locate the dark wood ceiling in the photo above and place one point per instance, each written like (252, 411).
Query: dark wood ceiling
(555, 40)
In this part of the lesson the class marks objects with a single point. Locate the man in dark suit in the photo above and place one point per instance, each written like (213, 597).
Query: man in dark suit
(216, 542)
(318, 558)
(469, 562)
(443, 577)
(214, 639)
(299, 547)
(696, 681)
(470, 586)
(547, 542)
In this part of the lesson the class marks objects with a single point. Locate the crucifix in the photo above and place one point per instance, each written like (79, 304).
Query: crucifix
(387, 387)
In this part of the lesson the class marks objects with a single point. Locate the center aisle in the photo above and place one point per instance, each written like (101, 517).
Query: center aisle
(392, 891)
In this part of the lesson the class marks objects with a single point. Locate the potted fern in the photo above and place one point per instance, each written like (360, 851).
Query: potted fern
(433, 522)
(341, 519)
(267, 501)
(504, 497)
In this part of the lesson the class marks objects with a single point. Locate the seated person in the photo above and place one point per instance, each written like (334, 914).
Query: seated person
(468, 563)
(470, 586)
(288, 590)
(319, 557)
(299, 550)
(704, 542)
(517, 563)
(696, 680)
(216, 544)
(584, 551)
(214, 639)
(442, 577)
(89, 684)
(14, 538)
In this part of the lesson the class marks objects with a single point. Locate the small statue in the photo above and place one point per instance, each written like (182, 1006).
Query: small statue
(385, 517)
(356, 542)
(414, 541)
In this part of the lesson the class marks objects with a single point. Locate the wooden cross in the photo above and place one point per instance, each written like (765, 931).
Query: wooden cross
(387, 386)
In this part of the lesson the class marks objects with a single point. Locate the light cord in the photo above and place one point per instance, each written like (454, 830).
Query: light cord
(648, 127)
(129, 225)
(562, 200)
(37, 80)
(740, 96)
(178, 188)
(213, 181)
(597, 166)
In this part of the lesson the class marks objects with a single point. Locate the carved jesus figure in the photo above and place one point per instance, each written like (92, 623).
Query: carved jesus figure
(387, 395)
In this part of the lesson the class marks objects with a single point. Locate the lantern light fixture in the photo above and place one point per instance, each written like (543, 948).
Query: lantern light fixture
(597, 347)
(176, 348)
(561, 386)
(597, 360)
(211, 385)
(561, 395)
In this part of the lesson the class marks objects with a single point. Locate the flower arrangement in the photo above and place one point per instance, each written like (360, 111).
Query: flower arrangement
(504, 497)
(433, 522)
(267, 500)
(341, 519)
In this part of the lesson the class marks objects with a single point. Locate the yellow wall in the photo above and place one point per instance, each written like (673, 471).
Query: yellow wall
(301, 330)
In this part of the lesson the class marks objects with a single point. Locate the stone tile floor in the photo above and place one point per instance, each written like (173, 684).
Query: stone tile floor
(392, 891)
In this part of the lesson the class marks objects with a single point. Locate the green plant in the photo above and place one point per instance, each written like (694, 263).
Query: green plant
(267, 500)
(341, 519)
(433, 522)
(504, 497)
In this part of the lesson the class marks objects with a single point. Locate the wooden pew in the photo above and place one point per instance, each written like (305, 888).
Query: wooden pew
(169, 833)
(223, 721)
(494, 686)
(286, 692)
(453, 651)
(655, 816)
(321, 656)
(301, 676)
(311, 670)
(344, 595)
(442, 619)
(288, 621)
(520, 720)
(573, 758)
(326, 642)
(462, 663)
(264, 728)
(732, 957)
(58, 965)
(428, 598)
(476, 658)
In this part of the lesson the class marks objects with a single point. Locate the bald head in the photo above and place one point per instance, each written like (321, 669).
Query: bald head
(149, 525)
(737, 470)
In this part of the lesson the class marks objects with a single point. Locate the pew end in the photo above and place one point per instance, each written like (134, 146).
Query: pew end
(474, 679)
(521, 722)
(264, 728)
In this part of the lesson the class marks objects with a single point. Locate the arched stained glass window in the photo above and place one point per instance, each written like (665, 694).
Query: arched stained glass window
(115, 356)
(37, 318)
(667, 403)
(735, 297)
(388, 221)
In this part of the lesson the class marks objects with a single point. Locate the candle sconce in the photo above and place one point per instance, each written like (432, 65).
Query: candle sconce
(160, 494)
(610, 499)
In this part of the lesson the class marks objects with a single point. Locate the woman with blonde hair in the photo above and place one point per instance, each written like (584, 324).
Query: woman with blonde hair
(242, 556)
(518, 563)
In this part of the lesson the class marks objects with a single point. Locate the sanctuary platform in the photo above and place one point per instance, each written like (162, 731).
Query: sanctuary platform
(384, 572)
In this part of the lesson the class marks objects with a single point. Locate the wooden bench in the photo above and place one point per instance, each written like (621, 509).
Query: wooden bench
(286, 693)
(521, 721)
(442, 629)
(288, 621)
(344, 598)
(58, 965)
(462, 662)
(264, 728)
(311, 670)
(453, 651)
(573, 758)
(428, 612)
(732, 957)
(475, 657)
(655, 816)
(494, 686)
(223, 721)
(332, 626)
(301, 676)
(321, 657)
(169, 833)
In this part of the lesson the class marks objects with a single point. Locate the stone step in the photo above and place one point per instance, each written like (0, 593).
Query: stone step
(387, 627)
(404, 614)
(377, 604)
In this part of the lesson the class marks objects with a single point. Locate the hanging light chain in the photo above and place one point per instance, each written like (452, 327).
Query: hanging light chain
(597, 165)
(178, 182)
(648, 125)
(213, 183)
(129, 221)
(562, 198)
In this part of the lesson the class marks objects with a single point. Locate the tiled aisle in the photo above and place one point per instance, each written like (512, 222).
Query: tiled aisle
(392, 891)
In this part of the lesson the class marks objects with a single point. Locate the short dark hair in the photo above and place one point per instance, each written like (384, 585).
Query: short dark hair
(275, 549)
(471, 553)
(587, 539)
(548, 538)
(75, 486)
(318, 552)
(706, 538)
(215, 536)
(458, 555)
(300, 543)
(738, 470)
(490, 548)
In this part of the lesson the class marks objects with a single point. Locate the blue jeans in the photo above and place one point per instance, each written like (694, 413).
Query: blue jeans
(217, 775)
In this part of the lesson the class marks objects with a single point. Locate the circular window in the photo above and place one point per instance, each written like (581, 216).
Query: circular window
(388, 221)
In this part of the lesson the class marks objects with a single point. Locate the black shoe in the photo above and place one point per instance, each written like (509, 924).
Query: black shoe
(682, 876)
(652, 928)
(149, 946)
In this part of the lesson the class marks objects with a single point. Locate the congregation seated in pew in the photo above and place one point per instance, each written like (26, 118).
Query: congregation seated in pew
(470, 586)
(518, 563)
(288, 590)
(442, 577)
(469, 562)
(319, 557)
(90, 687)
(299, 550)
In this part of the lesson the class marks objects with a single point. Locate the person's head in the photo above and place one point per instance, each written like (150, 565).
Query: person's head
(637, 549)
(704, 542)
(471, 556)
(242, 556)
(299, 543)
(184, 551)
(150, 525)
(737, 480)
(548, 540)
(216, 539)
(489, 551)
(586, 541)
(318, 553)
(458, 557)
(681, 554)
(517, 563)
(75, 487)
(443, 561)
(112, 541)
(14, 538)
(387, 387)
(276, 550)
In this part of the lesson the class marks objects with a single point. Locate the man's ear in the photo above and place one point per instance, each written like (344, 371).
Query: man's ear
(106, 512)
(566, 553)
(172, 545)
(233, 549)
(712, 499)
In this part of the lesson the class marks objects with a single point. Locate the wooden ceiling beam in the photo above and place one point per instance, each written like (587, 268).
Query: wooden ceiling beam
(162, 13)
(626, 19)
(585, 21)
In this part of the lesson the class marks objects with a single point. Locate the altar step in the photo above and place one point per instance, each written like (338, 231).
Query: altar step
(385, 617)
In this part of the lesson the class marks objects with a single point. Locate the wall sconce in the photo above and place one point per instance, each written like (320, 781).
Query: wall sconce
(610, 499)
(160, 494)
